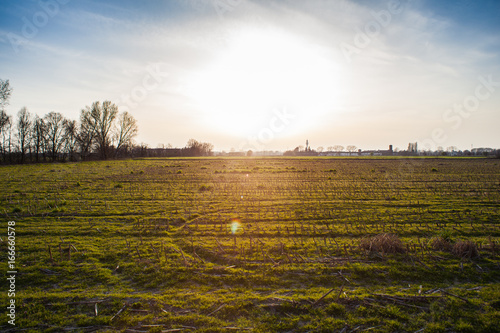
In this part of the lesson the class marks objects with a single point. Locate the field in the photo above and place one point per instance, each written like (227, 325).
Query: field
(254, 245)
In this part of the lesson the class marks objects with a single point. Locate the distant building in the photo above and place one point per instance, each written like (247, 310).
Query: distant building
(482, 151)
(388, 152)
(412, 148)
(338, 153)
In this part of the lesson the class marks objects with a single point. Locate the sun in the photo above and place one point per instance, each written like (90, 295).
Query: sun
(259, 70)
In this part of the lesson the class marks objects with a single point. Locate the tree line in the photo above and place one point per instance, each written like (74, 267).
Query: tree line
(100, 133)
(193, 148)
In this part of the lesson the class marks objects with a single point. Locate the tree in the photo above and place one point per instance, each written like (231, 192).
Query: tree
(38, 137)
(100, 127)
(5, 120)
(23, 131)
(5, 133)
(127, 130)
(196, 148)
(330, 148)
(207, 148)
(70, 137)
(5, 92)
(319, 149)
(54, 122)
(351, 148)
(338, 148)
(104, 117)
(142, 149)
(86, 136)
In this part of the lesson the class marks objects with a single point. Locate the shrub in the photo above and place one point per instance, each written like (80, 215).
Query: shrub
(465, 249)
(387, 243)
(204, 188)
(441, 244)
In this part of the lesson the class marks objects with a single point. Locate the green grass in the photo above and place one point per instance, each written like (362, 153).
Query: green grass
(215, 244)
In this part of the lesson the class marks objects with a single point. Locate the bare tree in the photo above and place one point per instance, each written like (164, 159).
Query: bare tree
(86, 136)
(54, 122)
(70, 137)
(5, 92)
(100, 127)
(351, 148)
(38, 137)
(319, 149)
(194, 147)
(197, 148)
(207, 149)
(5, 133)
(141, 149)
(23, 132)
(338, 148)
(5, 120)
(104, 117)
(330, 148)
(127, 130)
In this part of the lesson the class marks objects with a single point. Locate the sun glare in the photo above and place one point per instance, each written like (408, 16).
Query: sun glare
(235, 225)
(259, 71)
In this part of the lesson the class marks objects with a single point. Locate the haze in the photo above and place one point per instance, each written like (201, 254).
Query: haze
(264, 74)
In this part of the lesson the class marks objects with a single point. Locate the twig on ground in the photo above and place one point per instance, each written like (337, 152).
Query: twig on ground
(118, 313)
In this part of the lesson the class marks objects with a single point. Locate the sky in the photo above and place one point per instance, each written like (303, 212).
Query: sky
(264, 74)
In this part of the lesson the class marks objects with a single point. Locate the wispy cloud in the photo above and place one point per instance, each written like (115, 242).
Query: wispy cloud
(409, 71)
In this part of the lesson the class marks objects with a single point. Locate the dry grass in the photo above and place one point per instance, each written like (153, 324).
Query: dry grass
(386, 243)
(441, 244)
(493, 245)
(465, 249)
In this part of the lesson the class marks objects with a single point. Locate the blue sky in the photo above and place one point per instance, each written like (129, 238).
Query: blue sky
(264, 74)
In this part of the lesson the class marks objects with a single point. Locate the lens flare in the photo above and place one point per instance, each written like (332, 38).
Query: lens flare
(235, 225)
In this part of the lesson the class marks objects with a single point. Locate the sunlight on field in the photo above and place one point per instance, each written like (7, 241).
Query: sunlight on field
(264, 245)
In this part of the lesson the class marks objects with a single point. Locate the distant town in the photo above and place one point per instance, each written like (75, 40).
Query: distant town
(337, 150)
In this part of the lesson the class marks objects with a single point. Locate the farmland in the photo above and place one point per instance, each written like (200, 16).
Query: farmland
(255, 244)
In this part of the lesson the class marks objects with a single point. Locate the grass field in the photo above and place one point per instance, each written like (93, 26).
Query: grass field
(254, 245)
